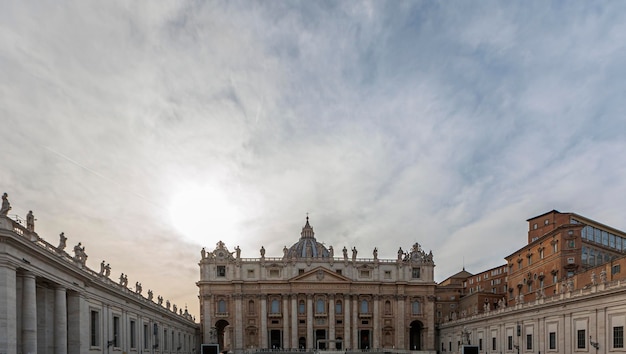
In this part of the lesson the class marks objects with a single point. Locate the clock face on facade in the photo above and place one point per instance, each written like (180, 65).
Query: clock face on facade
(220, 254)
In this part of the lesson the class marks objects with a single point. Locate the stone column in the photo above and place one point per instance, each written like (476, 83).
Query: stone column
(346, 322)
(263, 335)
(285, 339)
(8, 310)
(238, 340)
(355, 322)
(29, 313)
(376, 323)
(331, 317)
(309, 321)
(60, 321)
(294, 321)
(401, 329)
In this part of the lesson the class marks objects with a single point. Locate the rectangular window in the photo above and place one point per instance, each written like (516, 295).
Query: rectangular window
(615, 269)
(250, 273)
(146, 337)
(493, 343)
(509, 343)
(221, 271)
(133, 334)
(480, 344)
(618, 337)
(387, 274)
(274, 273)
(416, 273)
(165, 339)
(300, 271)
(338, 271)
(94, 326)
(581, 339)
(116, 331)
(529, 342)
(552, 340)
(364, 273)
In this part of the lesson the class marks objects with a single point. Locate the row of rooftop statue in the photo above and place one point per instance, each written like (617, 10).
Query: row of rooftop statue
(415, 254)
(80, 257)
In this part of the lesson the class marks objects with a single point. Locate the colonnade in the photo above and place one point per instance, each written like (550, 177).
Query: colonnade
(352, 320)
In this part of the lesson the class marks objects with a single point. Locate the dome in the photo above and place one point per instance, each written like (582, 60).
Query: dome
(307, 246)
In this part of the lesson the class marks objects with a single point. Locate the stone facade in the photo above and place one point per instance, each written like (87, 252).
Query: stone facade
(310, 299)
(51, 302)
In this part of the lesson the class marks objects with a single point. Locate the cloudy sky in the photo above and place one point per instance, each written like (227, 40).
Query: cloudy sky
(148, 130)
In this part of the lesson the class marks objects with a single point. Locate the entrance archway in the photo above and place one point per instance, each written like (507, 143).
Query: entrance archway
(415, 335)
(220, 326)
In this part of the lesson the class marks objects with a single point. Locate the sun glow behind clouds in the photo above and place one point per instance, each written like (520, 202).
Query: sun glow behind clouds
(205, 212)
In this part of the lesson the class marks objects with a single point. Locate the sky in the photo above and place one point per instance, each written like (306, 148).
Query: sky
(147, 130)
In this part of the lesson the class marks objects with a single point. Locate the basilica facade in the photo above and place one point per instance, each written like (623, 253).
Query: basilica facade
(309, 299)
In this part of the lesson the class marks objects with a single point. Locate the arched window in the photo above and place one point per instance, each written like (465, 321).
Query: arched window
(320, 306)
(387, 307)
(251, 306)
(275, 307)
(221, 306)
(416, 308)
(338, 307)
(301, 307)
(364, 306)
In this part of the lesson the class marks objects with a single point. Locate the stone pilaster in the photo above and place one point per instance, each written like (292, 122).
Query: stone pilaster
(309, 321)
(331, 318)
(238, 342)
(355, 322)
(78, 324)
(400, 327)
(346, 322)
(263, 332)
(376, 323)
(294, 321)
(285, 314)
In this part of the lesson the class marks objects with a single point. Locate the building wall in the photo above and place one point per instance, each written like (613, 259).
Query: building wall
(292, 302)
(52, 303)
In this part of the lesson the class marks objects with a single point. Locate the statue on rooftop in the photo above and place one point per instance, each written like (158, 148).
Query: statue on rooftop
(138, 287)
(354, 252)
(262, 252)
(331, 252)
(62, 240)
(345, 253)
(203, 253)
(102, 265)
(6, 206)
(238, 252)
(400, 254)
(79, 254)
(150, 294)
(375, 253)
(30, 221)
(160, 300)
(107, 270)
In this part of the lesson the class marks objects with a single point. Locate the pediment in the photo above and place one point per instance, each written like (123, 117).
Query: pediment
(320, 274)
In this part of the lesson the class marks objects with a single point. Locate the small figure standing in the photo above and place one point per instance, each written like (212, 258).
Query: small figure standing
(102, 265)
(238, 252)
(30, 221)
(160, 300)
(138, 287)
(375, 253)
(6, 206)
(122, 279)
(285, 250)
(354, 252)
(107, 270)
(345, 253)
(203, 253)
(62, 240)
(150, 294)
(262, 252)
(331, 252)
(400, 253)
(603, 276)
